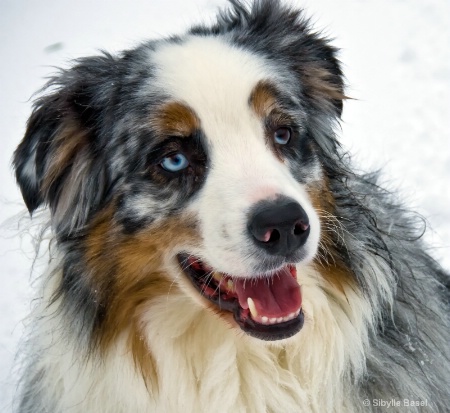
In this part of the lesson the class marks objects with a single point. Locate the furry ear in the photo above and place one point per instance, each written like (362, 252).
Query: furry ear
(58, 162)
(283, 33)
(321, 76)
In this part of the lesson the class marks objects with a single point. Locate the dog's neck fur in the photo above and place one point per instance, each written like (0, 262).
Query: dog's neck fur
(201, 364)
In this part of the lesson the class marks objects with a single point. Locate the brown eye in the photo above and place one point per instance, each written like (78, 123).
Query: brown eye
(282, 136)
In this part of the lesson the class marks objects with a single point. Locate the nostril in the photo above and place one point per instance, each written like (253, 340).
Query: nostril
(274, 236)
(300, 228)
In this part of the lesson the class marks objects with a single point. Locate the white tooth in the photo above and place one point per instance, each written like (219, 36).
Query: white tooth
(297, 313)
(251, 306)
(264, 319)
(279, 319)
(230, 285)
(217, 276)
(272, 320)
(286, 318)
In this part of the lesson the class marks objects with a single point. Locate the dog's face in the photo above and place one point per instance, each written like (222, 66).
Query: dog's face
(206, 135)
(255, 218)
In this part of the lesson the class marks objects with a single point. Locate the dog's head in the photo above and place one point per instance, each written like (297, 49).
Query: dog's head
(196, 160)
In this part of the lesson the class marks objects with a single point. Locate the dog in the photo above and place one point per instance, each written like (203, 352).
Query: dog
(213, 248)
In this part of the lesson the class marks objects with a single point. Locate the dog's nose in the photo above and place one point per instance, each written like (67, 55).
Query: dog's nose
(279, 226)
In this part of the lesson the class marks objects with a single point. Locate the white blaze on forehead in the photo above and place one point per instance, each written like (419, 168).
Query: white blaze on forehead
(214, 78)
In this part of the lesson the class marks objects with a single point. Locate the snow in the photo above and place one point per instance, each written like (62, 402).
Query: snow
(396, 59)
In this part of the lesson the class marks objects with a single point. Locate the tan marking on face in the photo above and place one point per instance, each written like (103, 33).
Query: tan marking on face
(328, 261)
(175, 119)
(129, 271)
(263, 99)
(264, 103)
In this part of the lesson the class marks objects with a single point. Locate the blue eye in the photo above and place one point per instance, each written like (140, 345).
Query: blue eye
(282, 136)
(175, 163)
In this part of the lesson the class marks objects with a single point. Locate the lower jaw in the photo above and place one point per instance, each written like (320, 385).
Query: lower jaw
(270, 332)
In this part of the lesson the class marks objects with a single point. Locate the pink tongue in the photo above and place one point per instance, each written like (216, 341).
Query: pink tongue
(277, 296)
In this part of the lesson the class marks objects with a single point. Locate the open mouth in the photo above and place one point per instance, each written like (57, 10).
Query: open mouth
(268, 308)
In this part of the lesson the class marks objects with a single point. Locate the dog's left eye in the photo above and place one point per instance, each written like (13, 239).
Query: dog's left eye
(175, 163)
(282, 136)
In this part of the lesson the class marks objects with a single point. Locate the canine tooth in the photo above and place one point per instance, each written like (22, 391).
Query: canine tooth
(251, 306)
(217, 276)
(230, 285)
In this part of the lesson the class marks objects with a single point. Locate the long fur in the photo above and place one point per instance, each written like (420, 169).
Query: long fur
(117, 326)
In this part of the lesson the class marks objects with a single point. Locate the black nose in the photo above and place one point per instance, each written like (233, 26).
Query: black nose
(279, 226)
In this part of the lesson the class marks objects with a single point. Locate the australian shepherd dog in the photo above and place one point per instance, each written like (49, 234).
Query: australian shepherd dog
(213, 249)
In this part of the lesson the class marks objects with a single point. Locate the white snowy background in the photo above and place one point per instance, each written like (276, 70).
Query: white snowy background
(396, 56)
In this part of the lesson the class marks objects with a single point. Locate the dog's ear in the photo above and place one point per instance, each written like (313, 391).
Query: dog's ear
(58, 162)
(320, 74)
(287, 37)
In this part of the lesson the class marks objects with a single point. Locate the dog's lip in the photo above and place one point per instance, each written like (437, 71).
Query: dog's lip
(220, 289)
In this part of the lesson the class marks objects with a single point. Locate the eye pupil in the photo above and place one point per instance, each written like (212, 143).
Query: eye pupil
(175, 163)
(177, 160)
(282, 136)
